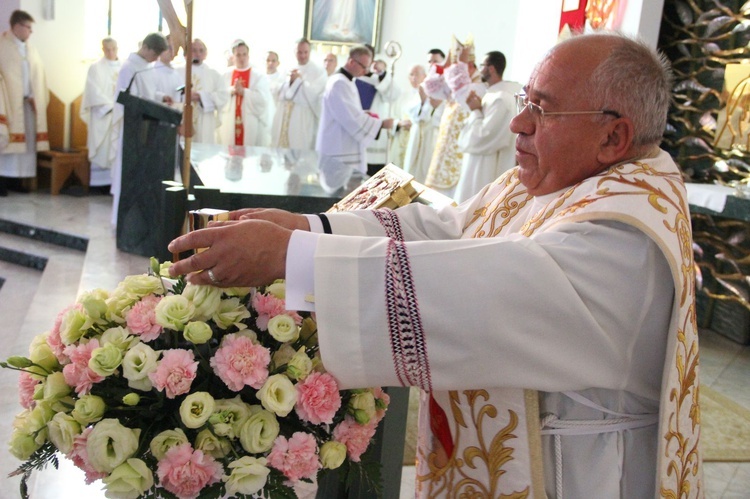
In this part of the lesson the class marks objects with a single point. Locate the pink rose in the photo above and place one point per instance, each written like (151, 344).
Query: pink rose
(26, 386)
(77, 373)
(175, 372)
(141, 319)
(240, 362)
(268, 307)
(184, 472)
(80, 457)
(355, 436)
(297, 457)
(318, 398)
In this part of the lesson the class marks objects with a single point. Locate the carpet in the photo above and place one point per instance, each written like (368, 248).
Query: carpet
(725, 428)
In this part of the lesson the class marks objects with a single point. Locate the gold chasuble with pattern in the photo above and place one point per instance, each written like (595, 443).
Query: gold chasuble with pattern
(495, 433)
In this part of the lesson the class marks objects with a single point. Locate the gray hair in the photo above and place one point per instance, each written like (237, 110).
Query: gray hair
(360, 50)
(636, 81)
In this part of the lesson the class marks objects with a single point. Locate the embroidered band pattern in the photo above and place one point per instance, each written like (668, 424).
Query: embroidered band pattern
(390, 222)
(408, 345)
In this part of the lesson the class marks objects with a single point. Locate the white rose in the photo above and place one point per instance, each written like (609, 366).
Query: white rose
(283, 329)
(238, 292)
(205, 299)
(138, 363)
(139, 286)
(165, 440)
(119, 337)
(74, 325)
(89, 409)
(278, 395)
(278, 289)
(105, 360)
(62, 431)
(208, 443)
(94, 303)
(41, 354)
(196, 409)
(258, 433)
(248, 475)
(197, 332)
(110, 444)
(174, 311)
(55, 387)
(299, 365)
(129, 480)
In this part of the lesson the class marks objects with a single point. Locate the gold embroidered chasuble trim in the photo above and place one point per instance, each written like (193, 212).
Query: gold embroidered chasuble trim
(611, 195)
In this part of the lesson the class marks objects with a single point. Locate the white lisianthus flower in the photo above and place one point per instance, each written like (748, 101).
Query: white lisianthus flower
(278, 289)
(131, 399)
(238, 292)
(299, 365)
(283, 329)
(62, 431)
(138, 363)
(55, 387)
(208, 443)
(229, 416)
(231, 312)
(205, 299)
(105, 360)
(248, 475)
(196, 409)
(165, 440)
(174, 311)
(41, 354)
(139, 286)
(197, 332)
(110, 444)
(119, 337)
(94, 303)
(258, 433)
(30, 430)
(362, 404)
(164, 269)
(22, 444)
(278, 395)
(74, 325)
(332, 454)
(283, 355)
(89, 409)
(129, 480)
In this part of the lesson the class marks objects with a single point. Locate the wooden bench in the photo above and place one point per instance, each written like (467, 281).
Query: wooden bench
(62, 162)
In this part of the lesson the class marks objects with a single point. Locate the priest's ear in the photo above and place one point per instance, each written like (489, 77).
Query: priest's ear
(617, 144)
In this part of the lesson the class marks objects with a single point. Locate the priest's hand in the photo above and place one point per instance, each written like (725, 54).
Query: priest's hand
(291, 221)
(237, 253)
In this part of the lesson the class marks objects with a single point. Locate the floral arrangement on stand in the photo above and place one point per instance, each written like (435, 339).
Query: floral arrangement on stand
(167, 389)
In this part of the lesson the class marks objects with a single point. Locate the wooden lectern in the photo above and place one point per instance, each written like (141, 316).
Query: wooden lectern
(149, 148)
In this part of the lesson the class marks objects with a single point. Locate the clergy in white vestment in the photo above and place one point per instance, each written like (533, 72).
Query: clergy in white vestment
(137, 76)
(298, 104)
(4, 133)
(209, 97)
(345, 128)
(378, 93)
(560, 297)
(424, 114)
(96, 111)
(486, 140)
(27, 97)
(247, 119)
(169, 79)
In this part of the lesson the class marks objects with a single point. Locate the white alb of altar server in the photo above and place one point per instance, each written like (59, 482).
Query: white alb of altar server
(96, 111)
(209, 96)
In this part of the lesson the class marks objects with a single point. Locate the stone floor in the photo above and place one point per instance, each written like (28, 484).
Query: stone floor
(31, 298)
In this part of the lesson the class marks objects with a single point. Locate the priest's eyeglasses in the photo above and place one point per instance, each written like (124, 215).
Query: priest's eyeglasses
(522, 102)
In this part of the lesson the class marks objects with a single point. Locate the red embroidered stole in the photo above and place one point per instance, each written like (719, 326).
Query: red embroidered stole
(239, 128)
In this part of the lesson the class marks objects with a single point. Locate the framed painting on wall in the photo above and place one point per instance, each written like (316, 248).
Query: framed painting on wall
(343, 22)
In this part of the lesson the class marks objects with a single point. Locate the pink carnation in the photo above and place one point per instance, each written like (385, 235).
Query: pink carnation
(80, 457)
(175, 372)
(184, 472)
(240, 362)
(141, 319)
(268, 307)
(26, 386)
(379, 393)
(77, 373)
(297, 457)
(318, 398)
(355, 436)
(53, 338)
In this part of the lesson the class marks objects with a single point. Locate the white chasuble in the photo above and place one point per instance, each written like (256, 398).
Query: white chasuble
(96, 111)
(590, 301)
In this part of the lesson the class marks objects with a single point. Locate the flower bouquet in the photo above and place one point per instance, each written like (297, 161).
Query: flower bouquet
(167, 389)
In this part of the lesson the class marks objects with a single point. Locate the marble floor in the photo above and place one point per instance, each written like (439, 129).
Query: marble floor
(30, 299)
